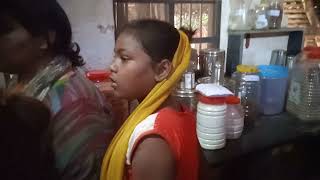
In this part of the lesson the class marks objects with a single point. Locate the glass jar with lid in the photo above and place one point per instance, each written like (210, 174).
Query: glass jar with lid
(304, 91)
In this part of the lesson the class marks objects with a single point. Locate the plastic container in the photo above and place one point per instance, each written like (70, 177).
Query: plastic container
(234, 118)
(211, 113)
(98, 76)
(239, 18)
(304, 92)
(247, 88)
(274, 83)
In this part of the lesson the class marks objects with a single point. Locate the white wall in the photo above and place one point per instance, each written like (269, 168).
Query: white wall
(259, 51)
(93, 28)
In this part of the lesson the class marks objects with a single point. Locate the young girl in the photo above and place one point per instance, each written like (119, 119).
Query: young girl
(158, 140)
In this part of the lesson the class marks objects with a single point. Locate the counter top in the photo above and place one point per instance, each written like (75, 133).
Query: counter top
(268, 132)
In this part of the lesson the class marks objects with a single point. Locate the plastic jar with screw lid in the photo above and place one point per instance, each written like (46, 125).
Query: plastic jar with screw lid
(211, 113)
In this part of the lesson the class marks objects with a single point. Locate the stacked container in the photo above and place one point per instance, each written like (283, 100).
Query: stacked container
(247, 88)
(211, 113)
(234, 118)
(304, 92)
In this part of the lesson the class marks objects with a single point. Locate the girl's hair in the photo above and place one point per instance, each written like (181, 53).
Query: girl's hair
(40, 17)
(158, 39)
(26, 144)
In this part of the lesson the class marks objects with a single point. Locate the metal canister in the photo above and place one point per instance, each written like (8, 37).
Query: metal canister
(213, 61)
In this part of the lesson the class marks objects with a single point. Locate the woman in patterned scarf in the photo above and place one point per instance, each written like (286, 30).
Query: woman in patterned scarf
(35, 44)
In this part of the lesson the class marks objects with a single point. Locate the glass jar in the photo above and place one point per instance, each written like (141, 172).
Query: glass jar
(247, 88)
(304, 91)
(261, 21)
(275, 14)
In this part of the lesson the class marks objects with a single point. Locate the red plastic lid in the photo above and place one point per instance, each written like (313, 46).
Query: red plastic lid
(311, 48)
(232, 100)
(314, 55)
(98, 75)
(212, 100)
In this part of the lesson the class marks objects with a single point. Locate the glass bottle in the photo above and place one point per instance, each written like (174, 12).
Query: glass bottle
(275, 14)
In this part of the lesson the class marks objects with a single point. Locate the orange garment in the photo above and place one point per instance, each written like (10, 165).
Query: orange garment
(178, 129)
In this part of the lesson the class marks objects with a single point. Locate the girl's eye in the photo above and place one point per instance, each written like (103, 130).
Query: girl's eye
(124, 58)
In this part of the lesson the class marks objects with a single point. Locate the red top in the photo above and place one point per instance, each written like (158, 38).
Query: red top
(212, 100)
(178, 129)
(98, 75)
(232, 100)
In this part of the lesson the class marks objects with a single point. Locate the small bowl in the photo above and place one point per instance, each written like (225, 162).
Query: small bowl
(211, 136)
(205, 129)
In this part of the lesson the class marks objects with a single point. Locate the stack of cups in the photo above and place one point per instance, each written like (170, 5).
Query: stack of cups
(211, 113)
(234, 118)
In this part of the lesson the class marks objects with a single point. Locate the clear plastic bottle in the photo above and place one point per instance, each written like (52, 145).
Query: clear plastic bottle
(234, 118)
(275, 14)
(247, 88)
(304, 92)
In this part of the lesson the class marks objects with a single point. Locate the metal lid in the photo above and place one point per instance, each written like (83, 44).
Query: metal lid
(183, 93)
(212, 51)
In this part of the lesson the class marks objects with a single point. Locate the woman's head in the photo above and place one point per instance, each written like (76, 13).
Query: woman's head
(31, 29)
(26, 149)
(143, 54)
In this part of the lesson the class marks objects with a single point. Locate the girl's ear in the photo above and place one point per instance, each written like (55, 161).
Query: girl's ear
(162, 70)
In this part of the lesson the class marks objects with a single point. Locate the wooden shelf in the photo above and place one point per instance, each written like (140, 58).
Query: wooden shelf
(267, 31)
(236, 43)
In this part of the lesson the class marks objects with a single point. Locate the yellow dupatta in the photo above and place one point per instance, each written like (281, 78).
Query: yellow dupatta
(113, 164)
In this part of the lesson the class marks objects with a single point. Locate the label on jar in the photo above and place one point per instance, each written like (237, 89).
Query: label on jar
(274, 13)
(261, 22)
(251, 78)
(294, 92)
(189, 80)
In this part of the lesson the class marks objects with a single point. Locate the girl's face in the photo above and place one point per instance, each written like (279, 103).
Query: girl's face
(133, 72)
(19, 50)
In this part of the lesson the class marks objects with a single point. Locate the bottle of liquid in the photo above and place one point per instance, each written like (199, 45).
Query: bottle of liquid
(275, 14)
(234, 118)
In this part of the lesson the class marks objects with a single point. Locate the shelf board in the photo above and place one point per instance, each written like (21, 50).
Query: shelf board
(267, 31)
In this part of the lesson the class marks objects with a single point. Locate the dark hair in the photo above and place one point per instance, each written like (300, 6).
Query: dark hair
(159, 39)
(188, 31)
(39, 17)
(26, 150)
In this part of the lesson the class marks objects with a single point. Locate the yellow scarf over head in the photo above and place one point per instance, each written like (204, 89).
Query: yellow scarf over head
(114, 160)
